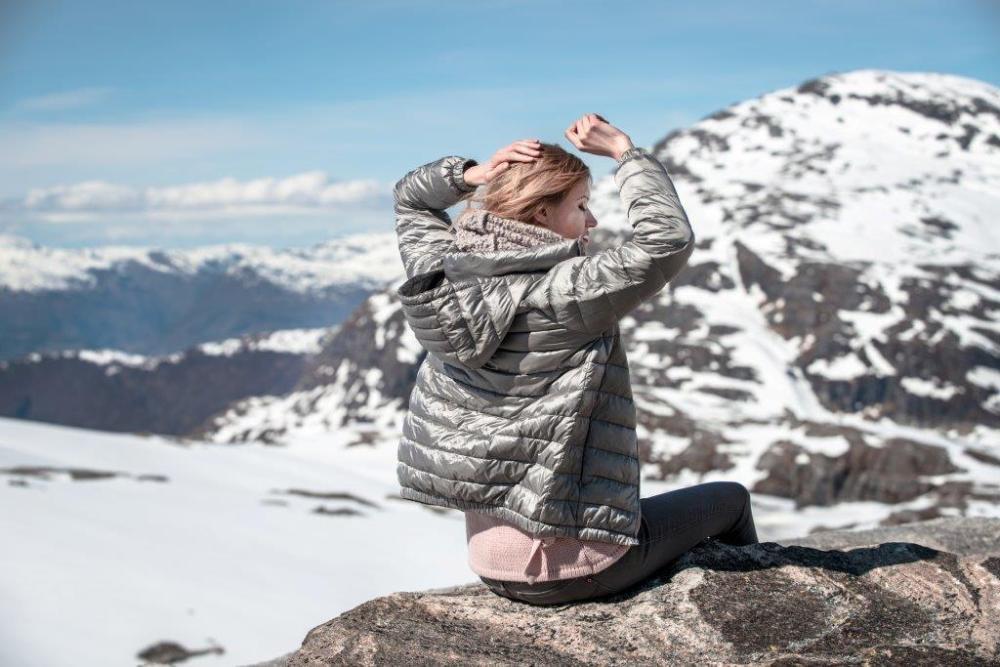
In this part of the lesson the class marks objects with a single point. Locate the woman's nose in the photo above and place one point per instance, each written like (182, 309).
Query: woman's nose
(591, 220)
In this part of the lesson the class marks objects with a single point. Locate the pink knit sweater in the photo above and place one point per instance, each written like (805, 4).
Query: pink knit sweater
(500, 550)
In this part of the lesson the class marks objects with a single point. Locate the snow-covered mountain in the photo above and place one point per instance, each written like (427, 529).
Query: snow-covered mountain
(154, 301)
(835, 336)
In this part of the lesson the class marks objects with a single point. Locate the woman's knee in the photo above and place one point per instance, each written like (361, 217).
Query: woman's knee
(734, 491)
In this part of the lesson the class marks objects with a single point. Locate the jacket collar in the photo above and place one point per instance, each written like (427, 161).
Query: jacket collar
(487, 244)
(464, 265)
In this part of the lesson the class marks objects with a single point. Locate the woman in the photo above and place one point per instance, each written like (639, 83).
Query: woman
(522, 412)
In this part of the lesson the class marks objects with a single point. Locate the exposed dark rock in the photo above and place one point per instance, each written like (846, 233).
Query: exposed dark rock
(337, 511)
(171, 653)
(353, 346)
(983, 457)
(818, 86)
(329, 495)
(76, 474)
(705, 275)
(889, 473)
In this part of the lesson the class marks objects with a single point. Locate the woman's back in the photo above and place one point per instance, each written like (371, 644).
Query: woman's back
(522, 414)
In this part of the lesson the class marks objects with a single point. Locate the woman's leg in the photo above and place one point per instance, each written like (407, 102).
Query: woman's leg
(676, 521)
(671, 524)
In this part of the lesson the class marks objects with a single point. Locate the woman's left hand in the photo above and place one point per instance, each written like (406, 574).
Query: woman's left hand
(525, 150)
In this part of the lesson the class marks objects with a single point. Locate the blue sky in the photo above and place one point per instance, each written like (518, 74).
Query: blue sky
(285, 123)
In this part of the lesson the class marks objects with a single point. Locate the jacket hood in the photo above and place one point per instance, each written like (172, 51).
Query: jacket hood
(462, 309)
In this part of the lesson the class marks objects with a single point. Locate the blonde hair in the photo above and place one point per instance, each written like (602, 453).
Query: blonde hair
(524, 188)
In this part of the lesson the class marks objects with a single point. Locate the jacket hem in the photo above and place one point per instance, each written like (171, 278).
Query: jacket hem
(537, 528)
(565, 573)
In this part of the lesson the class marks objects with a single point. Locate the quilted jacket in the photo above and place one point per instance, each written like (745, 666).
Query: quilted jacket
(522, 406)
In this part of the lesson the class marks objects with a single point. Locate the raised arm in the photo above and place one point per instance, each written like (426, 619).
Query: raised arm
(423, 228)
(591, 294)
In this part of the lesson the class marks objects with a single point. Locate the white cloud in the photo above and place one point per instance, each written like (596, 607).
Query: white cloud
(298, 193)
(70, 99)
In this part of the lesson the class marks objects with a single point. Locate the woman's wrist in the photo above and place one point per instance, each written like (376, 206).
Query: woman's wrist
(620, 148)
(461, 171)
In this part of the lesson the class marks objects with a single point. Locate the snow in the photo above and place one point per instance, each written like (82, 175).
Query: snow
(105, 357)
(286, 341)
(226, 348)
(932, 388)
(846, 367)
(201, 557)
(296, 341)
(984, 376)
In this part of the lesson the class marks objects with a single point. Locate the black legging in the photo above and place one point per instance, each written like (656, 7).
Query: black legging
(671, 523)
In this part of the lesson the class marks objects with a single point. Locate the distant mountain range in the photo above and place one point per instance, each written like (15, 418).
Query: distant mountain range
(834, 340)
(153, 301)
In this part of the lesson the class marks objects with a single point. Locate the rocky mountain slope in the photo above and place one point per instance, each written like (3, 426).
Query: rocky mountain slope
(926, 593)
(155, 302)
(108, 390)
(835, 336)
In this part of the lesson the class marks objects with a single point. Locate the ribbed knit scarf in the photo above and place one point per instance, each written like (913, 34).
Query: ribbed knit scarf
(478, 230)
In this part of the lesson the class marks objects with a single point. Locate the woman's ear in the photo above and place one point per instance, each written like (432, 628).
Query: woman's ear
(541, 216)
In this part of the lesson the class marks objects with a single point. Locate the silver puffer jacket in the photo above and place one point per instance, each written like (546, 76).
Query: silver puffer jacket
(522, 408)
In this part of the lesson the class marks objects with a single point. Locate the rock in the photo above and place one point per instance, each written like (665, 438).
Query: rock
(893, 472)
(924, 593)
(964, 536)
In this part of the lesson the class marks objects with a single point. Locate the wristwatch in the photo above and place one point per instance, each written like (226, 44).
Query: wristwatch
(631, 152)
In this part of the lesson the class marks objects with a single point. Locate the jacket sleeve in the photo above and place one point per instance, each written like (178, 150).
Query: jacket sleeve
(591, 294)
(423, 228)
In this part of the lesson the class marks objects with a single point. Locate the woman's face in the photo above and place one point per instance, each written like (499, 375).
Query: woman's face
(571, 218)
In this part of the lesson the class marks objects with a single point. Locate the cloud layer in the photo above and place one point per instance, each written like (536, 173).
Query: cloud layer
(307, 190)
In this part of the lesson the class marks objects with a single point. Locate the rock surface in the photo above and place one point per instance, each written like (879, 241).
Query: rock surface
(915, 594)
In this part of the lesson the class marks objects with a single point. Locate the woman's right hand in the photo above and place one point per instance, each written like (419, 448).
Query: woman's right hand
(592, 133)
(524, 150)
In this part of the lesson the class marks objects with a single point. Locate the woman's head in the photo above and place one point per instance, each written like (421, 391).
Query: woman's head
(552, 191)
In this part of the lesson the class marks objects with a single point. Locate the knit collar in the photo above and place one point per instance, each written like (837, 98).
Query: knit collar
(478, 230)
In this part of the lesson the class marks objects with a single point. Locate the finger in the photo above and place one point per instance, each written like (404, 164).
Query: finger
(520, 153)
(497, 169)
(573, 138)
(528, 151)
(521, 148)
(536, 148)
